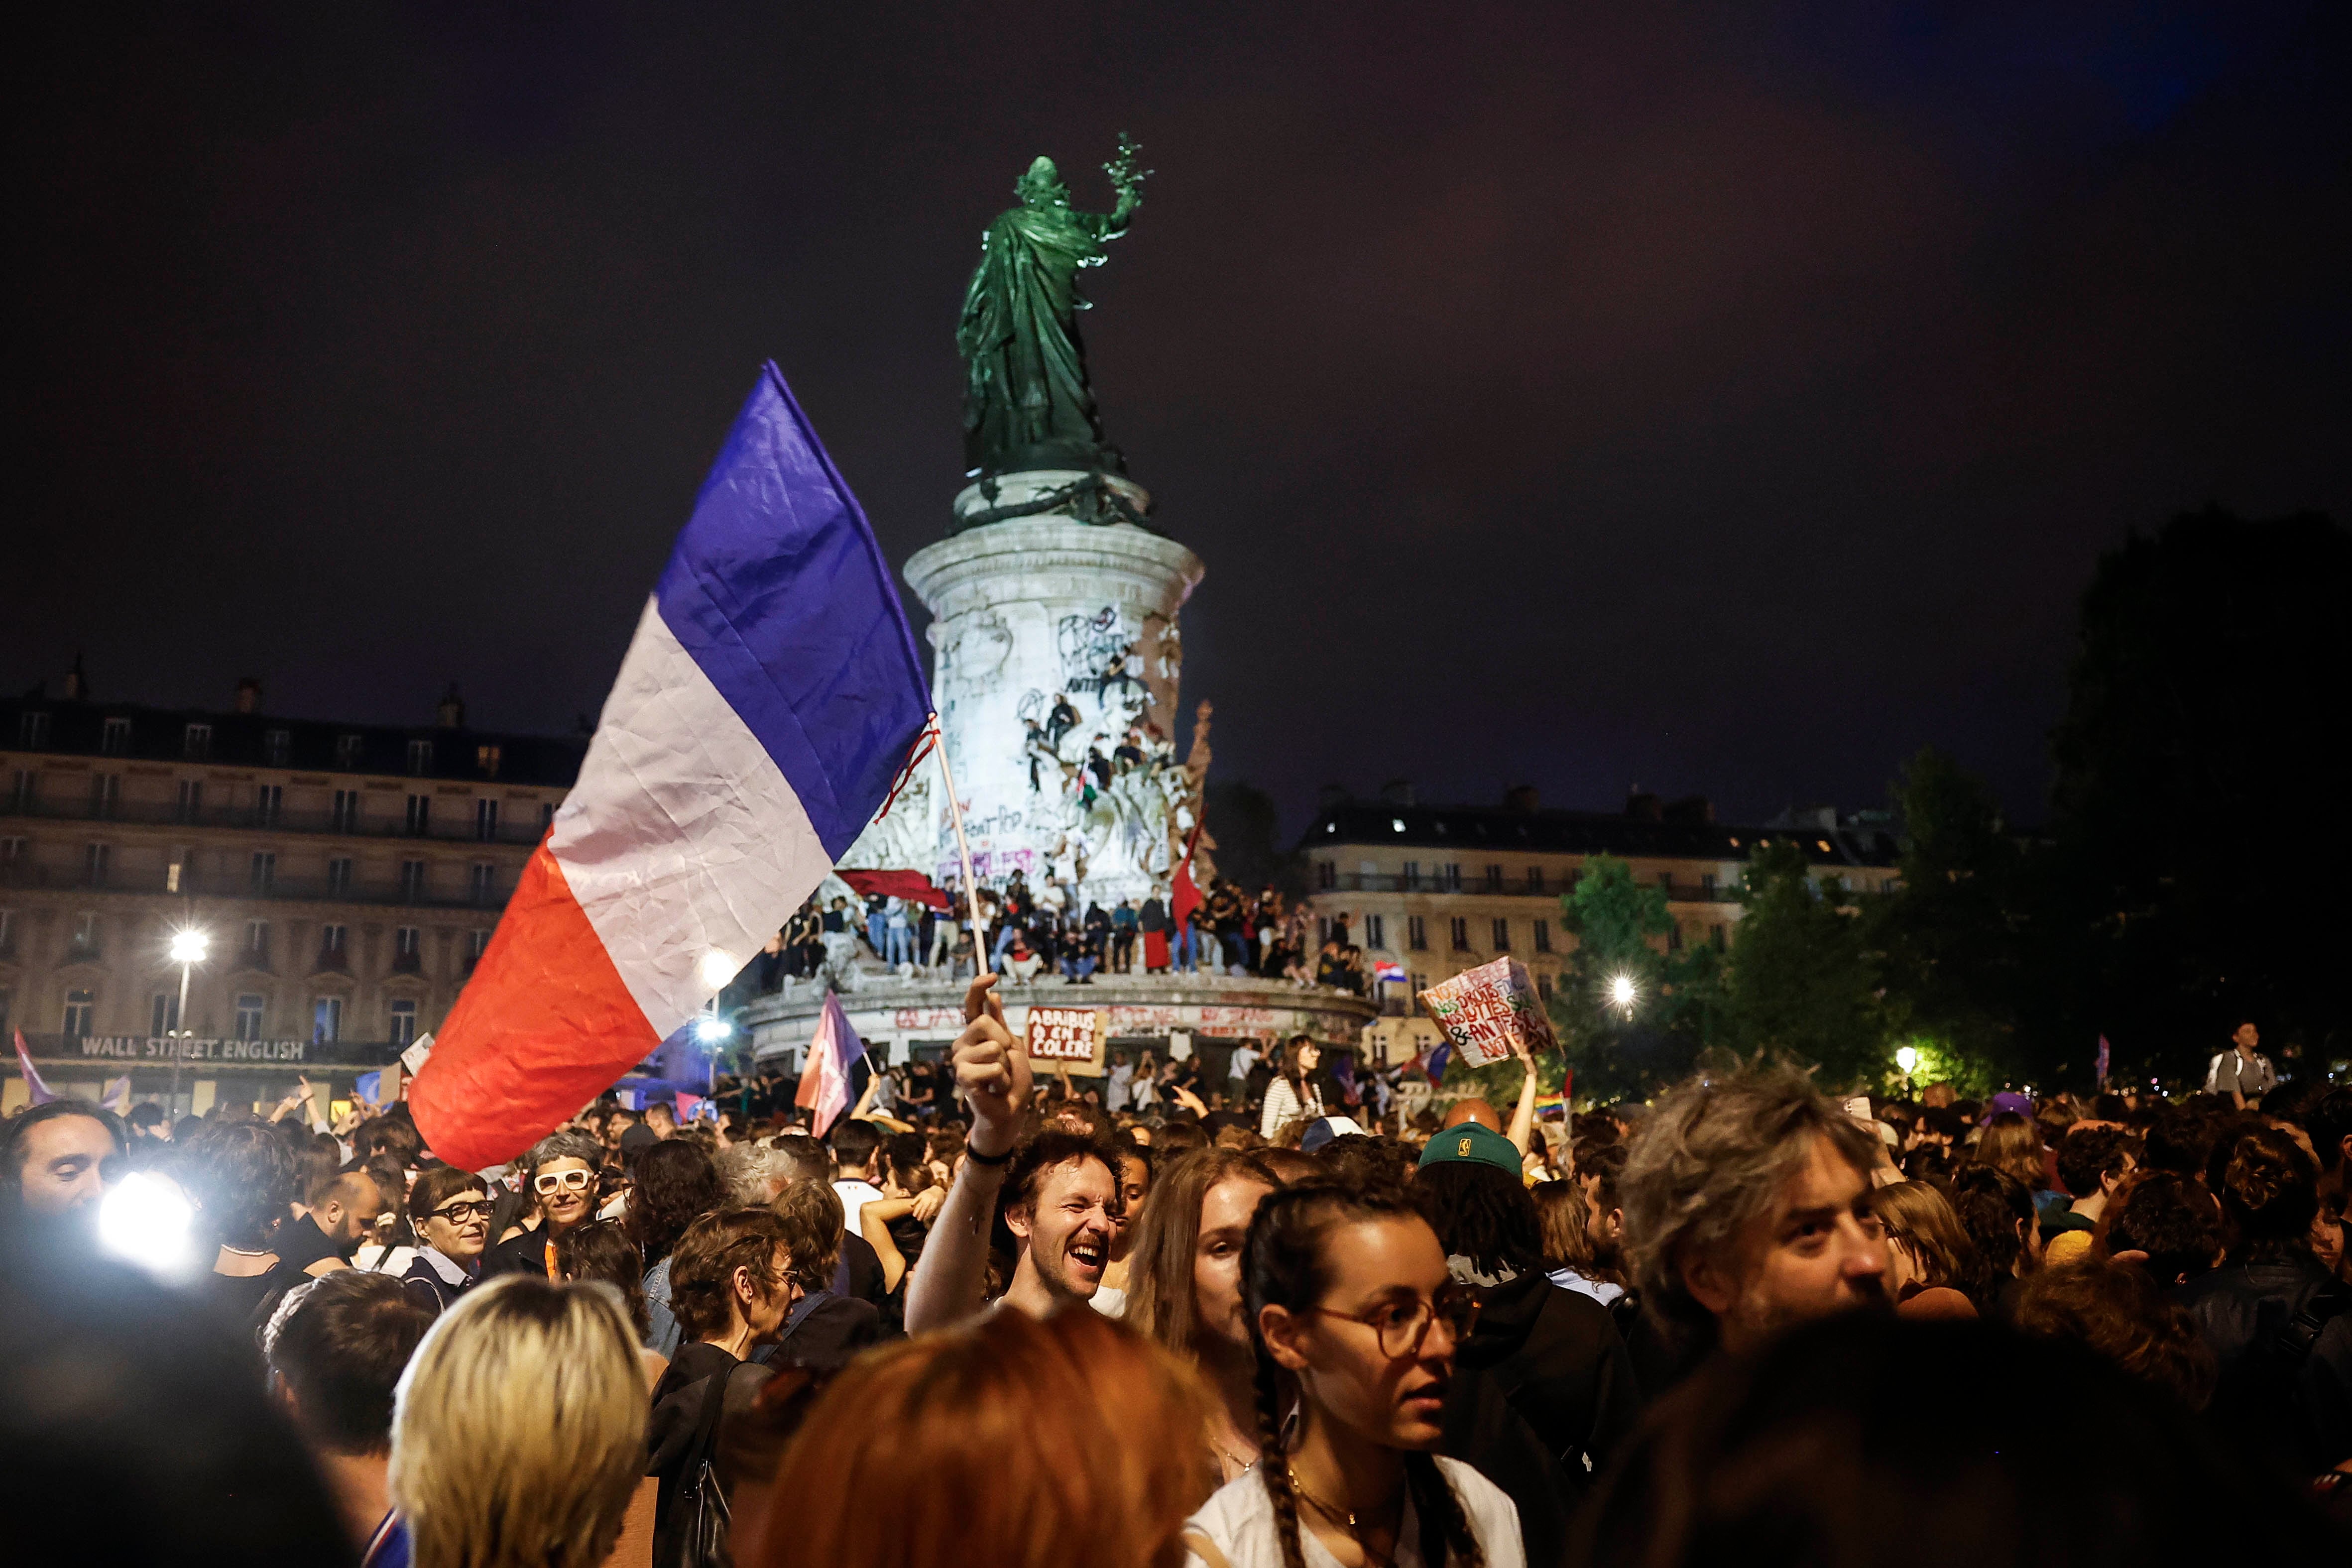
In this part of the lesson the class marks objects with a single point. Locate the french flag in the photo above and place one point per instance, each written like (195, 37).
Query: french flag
(766, 702)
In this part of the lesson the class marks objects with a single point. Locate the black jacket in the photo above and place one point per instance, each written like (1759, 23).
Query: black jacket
(1543, 1394)
(2283, 1336)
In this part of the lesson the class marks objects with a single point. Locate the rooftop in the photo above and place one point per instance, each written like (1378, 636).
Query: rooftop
(1683, 831)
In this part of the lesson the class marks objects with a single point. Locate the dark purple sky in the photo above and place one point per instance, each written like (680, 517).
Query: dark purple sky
(1728, 398)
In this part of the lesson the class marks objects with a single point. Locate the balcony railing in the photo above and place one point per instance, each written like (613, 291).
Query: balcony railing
(238, 883)
(1383, 882)
(460, 827)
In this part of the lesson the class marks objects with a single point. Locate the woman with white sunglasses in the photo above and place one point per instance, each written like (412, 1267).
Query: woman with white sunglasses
(559, 1177)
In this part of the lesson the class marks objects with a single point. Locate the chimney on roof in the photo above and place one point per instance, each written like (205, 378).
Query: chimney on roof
(1397, 792)
(1695, 810)
(77, 683)
(1522, 799)
(248, 695)
(1644, 807)
(452, 709)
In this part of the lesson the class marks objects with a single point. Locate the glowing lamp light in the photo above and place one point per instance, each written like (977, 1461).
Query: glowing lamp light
(148, 1221)
(1906, 1058)
(717, 968)
(711, 1030)
(1621, 991)
(190, 946)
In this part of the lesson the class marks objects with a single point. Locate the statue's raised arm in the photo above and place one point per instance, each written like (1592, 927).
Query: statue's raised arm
(1027, 401)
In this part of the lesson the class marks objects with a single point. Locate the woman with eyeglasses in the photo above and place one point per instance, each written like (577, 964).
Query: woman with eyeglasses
(1347, 1291)
(559, 1177)
(450, 1211)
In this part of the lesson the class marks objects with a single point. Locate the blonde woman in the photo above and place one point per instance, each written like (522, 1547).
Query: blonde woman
(517, 1431)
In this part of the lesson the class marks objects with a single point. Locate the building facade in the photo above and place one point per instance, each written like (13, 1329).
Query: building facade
(1441, 889)
(346, 876)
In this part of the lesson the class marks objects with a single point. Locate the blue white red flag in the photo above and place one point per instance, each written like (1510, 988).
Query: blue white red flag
(1439, 1055)
(832, 1050)
(766, 702)
(1389, 969)
(41, 1092)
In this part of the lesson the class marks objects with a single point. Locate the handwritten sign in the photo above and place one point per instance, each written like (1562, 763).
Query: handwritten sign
(1490, 1011)
(1073, 1035)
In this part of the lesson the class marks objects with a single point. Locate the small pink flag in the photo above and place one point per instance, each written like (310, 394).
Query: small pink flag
(42, 1093)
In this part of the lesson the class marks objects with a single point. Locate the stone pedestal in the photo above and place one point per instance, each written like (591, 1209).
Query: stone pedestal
(1055, 663)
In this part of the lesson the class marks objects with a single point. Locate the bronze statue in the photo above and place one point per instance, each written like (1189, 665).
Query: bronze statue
(1027, 404)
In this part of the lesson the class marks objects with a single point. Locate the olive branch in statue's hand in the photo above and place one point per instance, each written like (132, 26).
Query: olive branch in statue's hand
(1126, 177)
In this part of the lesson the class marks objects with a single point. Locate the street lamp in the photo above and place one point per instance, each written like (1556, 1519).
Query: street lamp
(189, 946)
(1906, 1058)
(1622, 992)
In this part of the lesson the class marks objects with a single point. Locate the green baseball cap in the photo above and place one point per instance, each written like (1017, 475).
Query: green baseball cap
(1472, 1141)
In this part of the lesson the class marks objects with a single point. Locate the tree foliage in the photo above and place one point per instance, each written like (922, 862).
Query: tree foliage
(1621, 930)
(1800, 982)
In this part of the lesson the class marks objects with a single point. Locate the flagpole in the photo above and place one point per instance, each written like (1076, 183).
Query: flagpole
(963, 852)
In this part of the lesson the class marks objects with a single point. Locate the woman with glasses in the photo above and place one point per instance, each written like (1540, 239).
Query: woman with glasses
(450, 1210)
(559, 1178)
(1348, 1292)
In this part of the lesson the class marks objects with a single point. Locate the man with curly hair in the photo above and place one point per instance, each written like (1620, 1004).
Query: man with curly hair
(1746, 1198)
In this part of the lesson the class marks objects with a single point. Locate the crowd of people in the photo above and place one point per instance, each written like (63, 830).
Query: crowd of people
(1744, 1322)
(1049, 934)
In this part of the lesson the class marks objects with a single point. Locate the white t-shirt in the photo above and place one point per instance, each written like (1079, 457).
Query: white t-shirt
(1240, 1521)
(855, 1196)
(1242, 1059)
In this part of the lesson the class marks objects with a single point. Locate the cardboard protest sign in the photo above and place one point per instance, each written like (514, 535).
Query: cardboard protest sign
(1070, 1035)
(1489, 1011)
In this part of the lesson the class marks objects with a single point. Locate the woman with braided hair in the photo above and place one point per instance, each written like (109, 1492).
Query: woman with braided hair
(1347, 1291)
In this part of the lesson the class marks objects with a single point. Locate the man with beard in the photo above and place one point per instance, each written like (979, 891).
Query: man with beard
(1746, 1211)
(1057, 1191)
(342, 1210)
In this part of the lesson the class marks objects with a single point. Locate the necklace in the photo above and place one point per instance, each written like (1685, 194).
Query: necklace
(245, 1251)
(1342, 1517)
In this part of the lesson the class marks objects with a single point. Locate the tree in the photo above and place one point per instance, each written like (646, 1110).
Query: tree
(2200, 756)
(1948, 943)
(1621, 930)
(1800, 982)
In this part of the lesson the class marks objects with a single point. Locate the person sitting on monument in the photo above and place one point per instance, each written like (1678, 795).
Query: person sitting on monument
(1081, 954)
(1019, 961)
(1055, 1192)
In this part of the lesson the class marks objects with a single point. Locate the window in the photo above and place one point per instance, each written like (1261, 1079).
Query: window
(268, 804)
(1376, 931)
(1326, 875)
(412, 881)
(420, 756)
(32, 730)
(277, 747)
(256, 943)
(12, 853)
(94, 859)
(1543, 935)
(85, 936)
(1719, 937)
(163, 1017)
(192, 801)
(1419, 983)
(407, 951)
(21, 789)
(1461, 935)
(7, 1007)
(105, 794)
(420, 815)
(8, 929)
(264, 870)
(1543, 986)
(80, 1005)
(196, 741)
(338, 877)
(1502, 936)
(477, 944)
(486, 758)
(1416, 933)
(483, 884)
(1535, 879)
(347, 749)
(485, 819)
(1493, 879)
(345, 816)
(1412, 876)
(1453, 877)
(1666, 881)
(326, 1020)
(403, 1021)
(177, 870)
(546, 816)
(114, 738)
(331, 939)
(1673, 938)
(248, 1015)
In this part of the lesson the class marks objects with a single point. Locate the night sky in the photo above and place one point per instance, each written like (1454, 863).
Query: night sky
(1726, 398)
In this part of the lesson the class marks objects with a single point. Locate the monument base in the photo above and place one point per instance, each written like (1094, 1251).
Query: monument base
(901, 1020)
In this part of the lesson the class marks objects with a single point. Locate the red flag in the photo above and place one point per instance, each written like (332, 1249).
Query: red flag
(1186, 897)
(911, 885)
